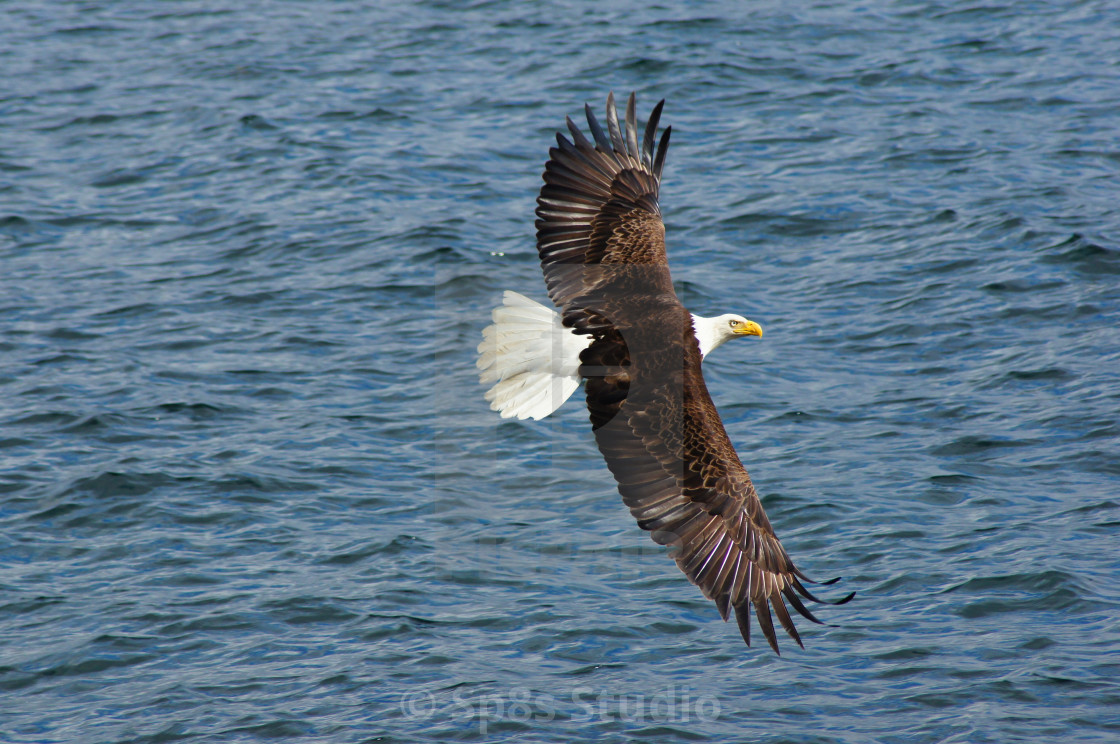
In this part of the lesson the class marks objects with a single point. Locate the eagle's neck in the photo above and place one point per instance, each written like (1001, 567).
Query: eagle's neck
(709, 332)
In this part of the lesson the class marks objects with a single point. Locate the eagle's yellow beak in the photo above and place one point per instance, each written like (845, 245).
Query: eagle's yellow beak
(750, 328)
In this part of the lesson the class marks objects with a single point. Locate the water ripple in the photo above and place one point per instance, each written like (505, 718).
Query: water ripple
(250, 488)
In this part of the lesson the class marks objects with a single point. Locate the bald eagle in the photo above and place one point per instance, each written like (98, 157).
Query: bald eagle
(623, 331)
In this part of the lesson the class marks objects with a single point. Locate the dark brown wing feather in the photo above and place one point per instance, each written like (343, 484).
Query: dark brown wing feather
(602, 248)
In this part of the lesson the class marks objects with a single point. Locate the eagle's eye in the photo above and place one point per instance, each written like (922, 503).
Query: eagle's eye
(734, 323)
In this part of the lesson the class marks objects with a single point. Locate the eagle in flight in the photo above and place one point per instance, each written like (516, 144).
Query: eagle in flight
(622, 331)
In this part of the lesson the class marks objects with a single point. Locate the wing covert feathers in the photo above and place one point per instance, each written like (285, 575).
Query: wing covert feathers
(601, 242)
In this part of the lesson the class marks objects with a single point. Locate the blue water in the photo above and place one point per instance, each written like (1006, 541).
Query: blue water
(250, 489)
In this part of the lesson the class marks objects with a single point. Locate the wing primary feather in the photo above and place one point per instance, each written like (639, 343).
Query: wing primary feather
(784, 618)
(662, 148)
(743, 620)
(762, 612)
(800, 606)
(809, 595)
(723, 604)
(612, 126)
(651, 131)
(577, 136)
(632, 129)
(601, 140)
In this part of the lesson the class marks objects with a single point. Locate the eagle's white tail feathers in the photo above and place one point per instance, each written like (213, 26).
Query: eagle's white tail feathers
(531, 358)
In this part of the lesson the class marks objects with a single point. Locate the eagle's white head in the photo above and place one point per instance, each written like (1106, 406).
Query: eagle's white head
(713, 332)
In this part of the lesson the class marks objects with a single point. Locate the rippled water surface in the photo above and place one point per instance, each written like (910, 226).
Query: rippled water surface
(251, 491)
